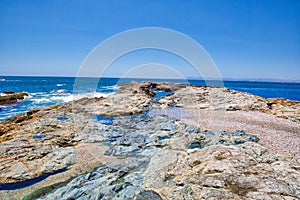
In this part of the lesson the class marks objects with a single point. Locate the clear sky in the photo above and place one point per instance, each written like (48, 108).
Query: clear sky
(245, 38)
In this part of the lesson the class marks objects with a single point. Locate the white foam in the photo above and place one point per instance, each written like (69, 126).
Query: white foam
(41, 100)
(63, 99)
(111, 87)
(27, 97)
(60, 91)
(101, 94)
(37, 93)
(89, 95)
(60, 84)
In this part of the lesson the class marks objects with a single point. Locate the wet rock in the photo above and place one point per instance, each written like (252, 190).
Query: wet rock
(12, 97)
(108, 182)
(8, 92)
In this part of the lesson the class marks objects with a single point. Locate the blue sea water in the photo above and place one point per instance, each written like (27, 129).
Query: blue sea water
(46, 91)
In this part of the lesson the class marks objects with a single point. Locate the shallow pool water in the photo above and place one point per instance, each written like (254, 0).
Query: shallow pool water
(62, 118)
(39, 136)
(196, 146)
(15, 186)
(161, 93)
(104, 120)
(164, 137)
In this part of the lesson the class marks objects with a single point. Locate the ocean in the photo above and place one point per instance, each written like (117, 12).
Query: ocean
(45, 91)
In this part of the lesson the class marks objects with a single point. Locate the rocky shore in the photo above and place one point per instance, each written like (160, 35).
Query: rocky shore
(136, 145)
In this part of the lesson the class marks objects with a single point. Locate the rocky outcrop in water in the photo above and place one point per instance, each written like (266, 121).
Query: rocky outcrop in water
(10, 97)
(8, 127)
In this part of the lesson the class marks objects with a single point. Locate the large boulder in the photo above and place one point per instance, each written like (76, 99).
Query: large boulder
(10, 97)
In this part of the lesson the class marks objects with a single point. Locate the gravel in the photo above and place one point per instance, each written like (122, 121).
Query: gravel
(280, 136)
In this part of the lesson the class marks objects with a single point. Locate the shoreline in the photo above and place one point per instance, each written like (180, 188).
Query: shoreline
(69, 133)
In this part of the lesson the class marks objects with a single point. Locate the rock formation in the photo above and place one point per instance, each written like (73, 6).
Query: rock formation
(10, 97)
(145, 155)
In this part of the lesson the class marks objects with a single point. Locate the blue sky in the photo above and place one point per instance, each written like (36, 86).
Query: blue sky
(246, 39)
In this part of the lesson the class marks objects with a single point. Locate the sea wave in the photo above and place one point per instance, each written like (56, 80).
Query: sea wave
(60, 84)
(40, 100)
(66, 97)
(61, 91)
(113, 87)
(13, 80)
(37, 93)
(83, 95)
(63, 99)
(45, 99)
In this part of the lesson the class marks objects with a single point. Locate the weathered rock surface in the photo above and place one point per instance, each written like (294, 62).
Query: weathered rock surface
(165, 167)
(20, 120)
(214, 98)
(285, 108)
(244, 171)
(162, 165)
(50, 141)
(120, 180)
(10, 97)
(218, 171)
(160, 157)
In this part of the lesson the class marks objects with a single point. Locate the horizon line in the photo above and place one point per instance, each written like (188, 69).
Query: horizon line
(188, 78)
